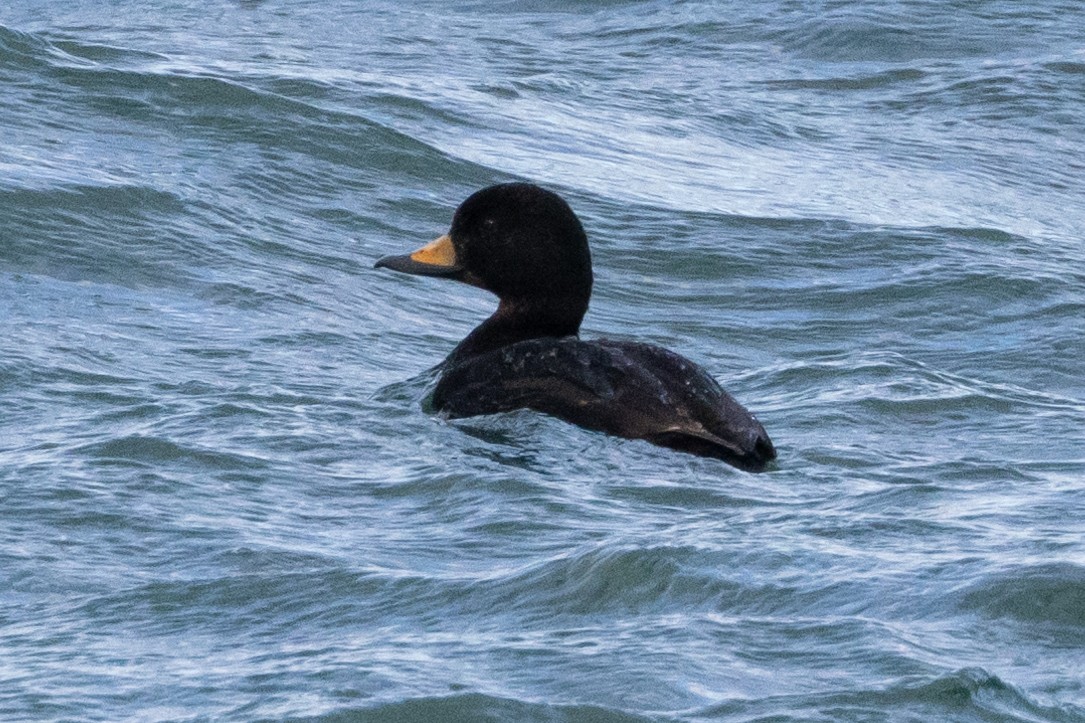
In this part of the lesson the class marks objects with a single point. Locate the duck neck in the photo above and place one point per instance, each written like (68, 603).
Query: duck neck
(518, 320)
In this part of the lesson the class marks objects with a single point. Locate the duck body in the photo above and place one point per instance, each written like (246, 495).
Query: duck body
(625, 388)
(525, 244)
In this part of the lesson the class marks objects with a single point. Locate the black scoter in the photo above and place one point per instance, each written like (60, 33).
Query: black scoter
(525, 244)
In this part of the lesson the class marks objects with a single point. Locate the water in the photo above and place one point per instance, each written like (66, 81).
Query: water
(222, 495)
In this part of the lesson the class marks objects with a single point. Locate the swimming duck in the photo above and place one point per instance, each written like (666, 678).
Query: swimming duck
(525, 245)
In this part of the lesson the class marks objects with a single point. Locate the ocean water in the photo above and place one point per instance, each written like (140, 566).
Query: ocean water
(223, 495)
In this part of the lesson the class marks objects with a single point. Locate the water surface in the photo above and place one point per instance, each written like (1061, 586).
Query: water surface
(223, 495)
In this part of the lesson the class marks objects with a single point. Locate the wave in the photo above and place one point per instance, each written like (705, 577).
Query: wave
(969, 694)
(472, 707)
(1044, 594)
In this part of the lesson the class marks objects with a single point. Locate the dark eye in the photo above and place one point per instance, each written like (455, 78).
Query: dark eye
(489, 224)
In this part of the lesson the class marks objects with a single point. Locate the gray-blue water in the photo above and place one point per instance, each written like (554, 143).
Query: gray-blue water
(222, 493)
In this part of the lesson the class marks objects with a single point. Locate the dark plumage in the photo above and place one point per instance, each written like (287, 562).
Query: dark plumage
(526, 245)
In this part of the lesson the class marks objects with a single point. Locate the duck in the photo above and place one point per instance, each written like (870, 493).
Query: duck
(525, 245)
